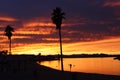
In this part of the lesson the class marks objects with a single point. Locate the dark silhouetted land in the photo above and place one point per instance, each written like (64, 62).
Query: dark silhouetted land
(25, 67)
(34, 71)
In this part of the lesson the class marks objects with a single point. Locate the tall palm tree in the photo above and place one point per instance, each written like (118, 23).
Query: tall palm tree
(57, 17)
(8, 33)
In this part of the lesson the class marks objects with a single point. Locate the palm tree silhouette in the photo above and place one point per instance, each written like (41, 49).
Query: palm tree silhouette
(57, 17)
(8, 33)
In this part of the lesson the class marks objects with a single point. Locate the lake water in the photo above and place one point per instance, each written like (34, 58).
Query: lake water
(87, 65)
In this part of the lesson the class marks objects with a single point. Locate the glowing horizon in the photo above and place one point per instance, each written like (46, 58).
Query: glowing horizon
(71, 48)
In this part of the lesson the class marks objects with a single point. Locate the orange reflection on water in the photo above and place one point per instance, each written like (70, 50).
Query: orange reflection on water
(88, 65)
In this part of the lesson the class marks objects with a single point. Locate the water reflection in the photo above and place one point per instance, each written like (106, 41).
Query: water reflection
(88, 65)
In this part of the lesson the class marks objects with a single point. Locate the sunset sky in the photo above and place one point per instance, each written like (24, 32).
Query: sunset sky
(91, 26)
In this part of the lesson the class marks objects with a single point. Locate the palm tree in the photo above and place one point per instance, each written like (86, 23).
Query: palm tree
(57, 17)
(8, 33)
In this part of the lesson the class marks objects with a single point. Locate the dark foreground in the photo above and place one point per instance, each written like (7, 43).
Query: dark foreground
(33, 71)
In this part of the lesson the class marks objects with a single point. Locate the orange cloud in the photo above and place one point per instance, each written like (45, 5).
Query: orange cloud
(50, 39)
(1, 32)
(13, 37)
(33, 30)
(42, 26)
(39, 24)
(3, 40)
(48, 24)
(112, 3)
(55, 39)
(7, 19)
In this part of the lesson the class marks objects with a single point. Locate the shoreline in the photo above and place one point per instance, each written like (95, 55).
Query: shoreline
(34, 71)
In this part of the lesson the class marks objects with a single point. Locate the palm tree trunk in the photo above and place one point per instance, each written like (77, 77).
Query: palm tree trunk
(61, 56)
(10, 47)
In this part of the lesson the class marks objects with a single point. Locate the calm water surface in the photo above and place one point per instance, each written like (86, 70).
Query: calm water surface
(88, 65)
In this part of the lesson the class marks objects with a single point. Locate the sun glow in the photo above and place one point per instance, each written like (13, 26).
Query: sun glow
(36, 48)
(110, 46)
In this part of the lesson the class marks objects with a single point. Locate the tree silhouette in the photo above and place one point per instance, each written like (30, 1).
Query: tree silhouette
(8, 33)
(57, 17)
